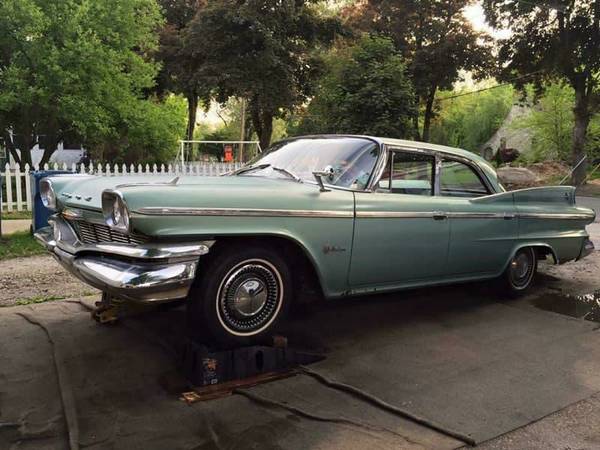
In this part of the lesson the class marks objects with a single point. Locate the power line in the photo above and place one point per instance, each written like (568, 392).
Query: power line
(507, 83)
(540, 5)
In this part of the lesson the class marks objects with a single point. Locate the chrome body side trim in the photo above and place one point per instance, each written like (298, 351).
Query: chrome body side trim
(144, 273)
(473, 215)
(560, 216)
(481, 215)
(226, 212)
(394, 215)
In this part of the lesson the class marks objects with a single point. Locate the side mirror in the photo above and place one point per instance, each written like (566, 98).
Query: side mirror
(327, 174)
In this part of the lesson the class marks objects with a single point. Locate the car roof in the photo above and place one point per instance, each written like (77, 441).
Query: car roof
(484, 164)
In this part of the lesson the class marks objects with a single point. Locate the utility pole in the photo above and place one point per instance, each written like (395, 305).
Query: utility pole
(243, 130)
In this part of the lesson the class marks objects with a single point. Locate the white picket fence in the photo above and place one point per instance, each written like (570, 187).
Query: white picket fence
(17, 189)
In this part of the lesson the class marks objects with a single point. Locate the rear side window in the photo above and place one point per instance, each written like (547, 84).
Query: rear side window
(460, 180)
(409, 173)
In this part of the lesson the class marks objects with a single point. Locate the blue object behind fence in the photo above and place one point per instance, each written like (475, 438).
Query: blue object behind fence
(40, 212)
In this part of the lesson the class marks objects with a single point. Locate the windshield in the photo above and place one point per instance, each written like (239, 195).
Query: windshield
(348, 161)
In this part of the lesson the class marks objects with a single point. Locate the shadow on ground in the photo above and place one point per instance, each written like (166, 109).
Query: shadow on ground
(458, 356)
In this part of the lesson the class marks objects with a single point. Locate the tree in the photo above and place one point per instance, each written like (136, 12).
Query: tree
(468, 121)
(71, 69)
(365, 91)
(550, 123)
(437, 41)
(176, 74)
(554, 40)
(260, 50)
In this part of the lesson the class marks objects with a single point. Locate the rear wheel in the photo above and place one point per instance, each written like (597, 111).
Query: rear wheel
(520, 271)
(241, 296)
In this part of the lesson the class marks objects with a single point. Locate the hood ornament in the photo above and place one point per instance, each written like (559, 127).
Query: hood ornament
(172, 182)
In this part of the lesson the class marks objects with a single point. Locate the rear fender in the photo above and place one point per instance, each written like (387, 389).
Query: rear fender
(536, 245)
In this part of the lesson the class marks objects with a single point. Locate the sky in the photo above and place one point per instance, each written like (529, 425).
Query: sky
(475, 14)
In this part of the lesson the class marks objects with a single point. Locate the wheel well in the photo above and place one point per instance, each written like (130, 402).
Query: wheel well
(542, 252)
(305, 278)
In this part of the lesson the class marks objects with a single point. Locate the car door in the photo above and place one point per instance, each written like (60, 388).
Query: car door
(482, 230)
(401, 229)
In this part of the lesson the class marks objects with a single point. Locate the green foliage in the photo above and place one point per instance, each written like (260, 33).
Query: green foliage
(365, 91)
(260, 50)
(436, 40)
(16, 215)
(554, 41)
(74, 69)
(19, 244)
(551, 122)
(469, 121)
(149, 132)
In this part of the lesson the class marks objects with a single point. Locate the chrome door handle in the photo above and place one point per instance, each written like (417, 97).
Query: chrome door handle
(439, 215)
(508, 216)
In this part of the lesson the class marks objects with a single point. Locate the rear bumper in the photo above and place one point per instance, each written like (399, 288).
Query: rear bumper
(149, 273)
(586, 249)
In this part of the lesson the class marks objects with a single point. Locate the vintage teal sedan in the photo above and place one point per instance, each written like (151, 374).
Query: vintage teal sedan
(321, 216)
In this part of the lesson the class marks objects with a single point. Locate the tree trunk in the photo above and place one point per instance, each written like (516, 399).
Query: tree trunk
(11, 147)
(192, 100)
(26, 144)
(262, 122)
(51, 145)
(267, 129)
(582, 120)
(416, 132)
(428, 113)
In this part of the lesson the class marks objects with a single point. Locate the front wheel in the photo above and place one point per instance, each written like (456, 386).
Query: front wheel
(241, 295)
(520, 272)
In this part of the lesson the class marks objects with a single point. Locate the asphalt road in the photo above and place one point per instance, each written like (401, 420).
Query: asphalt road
(590, 202)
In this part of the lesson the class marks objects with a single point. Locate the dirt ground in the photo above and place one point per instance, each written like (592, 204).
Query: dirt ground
(39, 278)
(12, 226)
(36, 279)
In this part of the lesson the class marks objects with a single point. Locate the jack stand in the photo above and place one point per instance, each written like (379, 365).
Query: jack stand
(216, 373)
(110, 309)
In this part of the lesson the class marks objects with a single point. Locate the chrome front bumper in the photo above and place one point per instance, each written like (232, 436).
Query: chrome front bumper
(143, 273)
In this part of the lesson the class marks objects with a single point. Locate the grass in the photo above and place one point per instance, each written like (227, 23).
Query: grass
(13, 215)
(39, 299)
(19, 244)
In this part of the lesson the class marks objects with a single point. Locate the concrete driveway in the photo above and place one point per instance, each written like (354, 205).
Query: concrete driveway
(472, 364)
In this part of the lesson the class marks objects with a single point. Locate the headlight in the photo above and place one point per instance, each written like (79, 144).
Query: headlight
(115, 211)
(47, 194)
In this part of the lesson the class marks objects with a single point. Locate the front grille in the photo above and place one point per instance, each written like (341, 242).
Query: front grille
(94, 233)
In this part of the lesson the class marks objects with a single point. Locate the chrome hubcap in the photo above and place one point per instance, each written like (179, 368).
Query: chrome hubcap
(521, 268)
(249, 297)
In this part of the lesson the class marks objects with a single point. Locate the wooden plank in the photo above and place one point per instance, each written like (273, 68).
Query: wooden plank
(220, 390)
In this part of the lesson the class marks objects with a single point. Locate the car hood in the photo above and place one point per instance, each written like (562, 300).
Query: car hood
(194, 191)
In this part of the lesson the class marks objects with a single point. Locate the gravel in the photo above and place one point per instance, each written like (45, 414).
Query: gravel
(37, 278)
